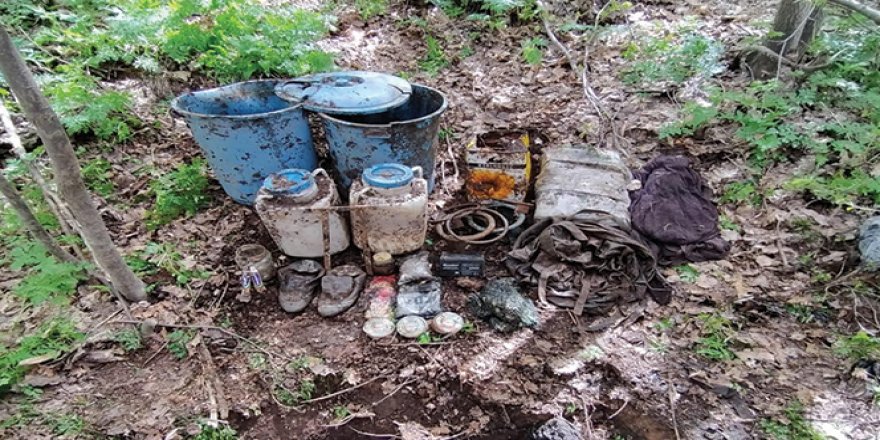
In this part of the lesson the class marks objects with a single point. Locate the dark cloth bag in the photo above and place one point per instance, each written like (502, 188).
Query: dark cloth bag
(675, 214)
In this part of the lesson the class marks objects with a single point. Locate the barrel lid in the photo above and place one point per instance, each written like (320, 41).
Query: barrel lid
(388, 175)
(346, 93)
(289, 181)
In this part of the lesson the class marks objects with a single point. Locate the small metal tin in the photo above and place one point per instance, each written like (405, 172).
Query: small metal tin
(383, 263)
(447, 323)
(411, 326)
(378, 328)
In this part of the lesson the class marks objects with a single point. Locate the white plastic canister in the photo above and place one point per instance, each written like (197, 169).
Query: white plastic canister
(287, 204)
(389, 209)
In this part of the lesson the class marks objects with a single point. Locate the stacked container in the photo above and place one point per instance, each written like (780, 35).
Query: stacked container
(288, 204)
(389, 209)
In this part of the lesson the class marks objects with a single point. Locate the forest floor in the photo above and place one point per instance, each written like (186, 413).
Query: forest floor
(274, 375)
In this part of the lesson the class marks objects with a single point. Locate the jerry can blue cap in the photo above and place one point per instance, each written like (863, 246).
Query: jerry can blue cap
(291, 181)
(388, 175)
(346, 93)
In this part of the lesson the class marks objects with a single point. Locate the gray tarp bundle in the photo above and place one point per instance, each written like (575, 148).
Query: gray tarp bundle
(586, 264)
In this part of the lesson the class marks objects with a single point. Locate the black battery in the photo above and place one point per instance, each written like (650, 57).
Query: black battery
(460, 265)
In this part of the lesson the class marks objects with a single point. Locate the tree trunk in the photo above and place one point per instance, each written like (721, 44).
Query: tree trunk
(796, 22)
(67, 171)
(30, 222)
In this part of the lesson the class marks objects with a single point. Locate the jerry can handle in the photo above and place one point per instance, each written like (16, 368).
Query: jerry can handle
(320, 171)
(417, 172)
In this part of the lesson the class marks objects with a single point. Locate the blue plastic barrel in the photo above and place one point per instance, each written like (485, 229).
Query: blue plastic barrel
(406, 134)
(247, 133)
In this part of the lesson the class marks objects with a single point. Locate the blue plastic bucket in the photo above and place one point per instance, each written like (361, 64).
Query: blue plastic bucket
(247, 133)
(406, 134)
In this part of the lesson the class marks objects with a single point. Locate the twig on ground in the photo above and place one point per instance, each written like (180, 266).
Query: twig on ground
(671, 388)
(147, 362)
(399, 387)
(370, 434)
(544, 12)
(866, 10)
(210, 370)
(349, 418)
(340, 392)
(620, 410)
(213, 327)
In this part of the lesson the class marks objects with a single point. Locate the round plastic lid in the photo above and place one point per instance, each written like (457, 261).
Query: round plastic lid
(346, 93)
(388, 175)
(290, 181)
(412, 326)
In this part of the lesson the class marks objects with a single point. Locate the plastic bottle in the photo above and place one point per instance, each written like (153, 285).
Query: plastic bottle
(390, 203)
(286, 204)
(584, 180)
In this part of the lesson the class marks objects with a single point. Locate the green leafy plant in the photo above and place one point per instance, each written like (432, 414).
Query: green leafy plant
(222, 432)
(303, 393)
(177, 341)
(51, 339)
(306, 390)
(792, 427)
(468, 328)
(672, 58)
(180, 192)
(687, 273)
(858, 346)
(341, 412)
(779, 123)
(371, 8)
(570, 409)
(258, 361)
(435, 58)
(741, 192)
(96, 175)
(65, 424)
(47, 278)
(129, 339)
(728, 224)
(532, 50)
(717, 332)
(166, 256)
(425, 338)
(85, 108)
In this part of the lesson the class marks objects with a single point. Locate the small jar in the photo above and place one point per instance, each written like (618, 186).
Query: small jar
(383, 263)
(258, 257)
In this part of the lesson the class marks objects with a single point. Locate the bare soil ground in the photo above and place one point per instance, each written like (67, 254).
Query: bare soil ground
(639, 379)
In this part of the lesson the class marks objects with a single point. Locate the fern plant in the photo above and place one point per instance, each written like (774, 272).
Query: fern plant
(180, 192)
(52, 338)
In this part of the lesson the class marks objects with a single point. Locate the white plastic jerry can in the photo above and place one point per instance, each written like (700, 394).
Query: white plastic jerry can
(389, 209)
(289, 205)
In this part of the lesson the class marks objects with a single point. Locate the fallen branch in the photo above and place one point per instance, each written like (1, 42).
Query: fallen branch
(866, 10)
(349, 418)
(210, 327)
(340, 392)
(210, 370)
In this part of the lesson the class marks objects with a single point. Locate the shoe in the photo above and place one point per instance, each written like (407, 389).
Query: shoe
(340, 289)
(297, 284)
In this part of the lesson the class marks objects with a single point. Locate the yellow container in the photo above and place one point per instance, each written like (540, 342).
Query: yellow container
(499, 166)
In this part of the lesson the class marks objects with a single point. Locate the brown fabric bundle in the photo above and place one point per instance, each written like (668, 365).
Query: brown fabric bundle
(586, 265)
